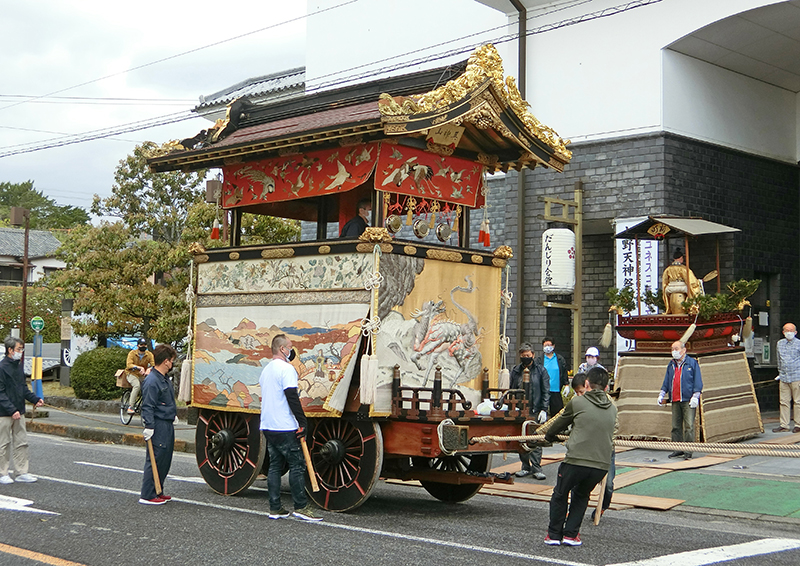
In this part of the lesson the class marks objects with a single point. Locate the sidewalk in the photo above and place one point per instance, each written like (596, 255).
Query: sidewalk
(98, 421)
(753, 487)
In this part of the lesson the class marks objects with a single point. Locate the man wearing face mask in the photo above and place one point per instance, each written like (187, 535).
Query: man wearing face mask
(558, 373)
(356, 226)
(283, 424)
(13, 393)
(137, 363)
(682, 386)
(789, 377)
(538, 396)
(158, 416)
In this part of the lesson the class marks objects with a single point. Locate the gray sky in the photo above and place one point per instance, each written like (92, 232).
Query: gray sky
(51, 45)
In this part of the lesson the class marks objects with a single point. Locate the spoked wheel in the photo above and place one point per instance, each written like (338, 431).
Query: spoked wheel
(452, 493)
(347, 457)
(230, 450)
(124, 403)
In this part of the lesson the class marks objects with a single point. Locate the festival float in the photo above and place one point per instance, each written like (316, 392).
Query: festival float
(398, 333)
(710, 325)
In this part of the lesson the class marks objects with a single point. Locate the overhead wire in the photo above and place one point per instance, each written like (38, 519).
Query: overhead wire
(186, 115)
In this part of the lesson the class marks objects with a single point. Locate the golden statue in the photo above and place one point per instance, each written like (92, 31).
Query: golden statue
(675, 287)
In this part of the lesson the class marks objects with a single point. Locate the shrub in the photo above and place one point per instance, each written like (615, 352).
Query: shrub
(92, 374)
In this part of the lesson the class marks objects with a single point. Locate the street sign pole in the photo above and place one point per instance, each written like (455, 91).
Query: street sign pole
(37, 324)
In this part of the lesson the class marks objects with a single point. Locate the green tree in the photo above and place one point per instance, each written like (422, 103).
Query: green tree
(256, 229)
(128, 286)
(150, 203)
(40, 302)
(45, 213)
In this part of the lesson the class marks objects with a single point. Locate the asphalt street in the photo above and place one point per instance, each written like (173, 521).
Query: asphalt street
(84, 509)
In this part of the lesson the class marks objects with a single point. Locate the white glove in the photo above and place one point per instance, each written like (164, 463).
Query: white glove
(694, 402)
(777, 378)
(565, 390)
(148, 434)
(542, 417)
(661, 396)
(176, 421)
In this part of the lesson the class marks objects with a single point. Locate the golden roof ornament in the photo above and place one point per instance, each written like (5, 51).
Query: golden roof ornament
(503, 252)
(658, 230)
(484, 64)
(375, 234)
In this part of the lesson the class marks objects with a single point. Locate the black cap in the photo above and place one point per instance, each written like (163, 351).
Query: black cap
(142, 342)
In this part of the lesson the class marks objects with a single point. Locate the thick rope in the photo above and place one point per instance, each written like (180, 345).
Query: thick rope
(778, 450)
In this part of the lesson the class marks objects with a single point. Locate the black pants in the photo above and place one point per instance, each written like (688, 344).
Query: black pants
(556, 403)
(580, 480)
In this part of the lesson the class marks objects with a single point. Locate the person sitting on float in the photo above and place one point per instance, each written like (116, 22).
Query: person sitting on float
(674, 284)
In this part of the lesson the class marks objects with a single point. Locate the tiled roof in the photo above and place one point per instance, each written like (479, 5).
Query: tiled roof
(259, 87)
(40, 243)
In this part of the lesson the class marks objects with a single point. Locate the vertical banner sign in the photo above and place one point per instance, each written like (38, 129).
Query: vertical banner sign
(625, 268)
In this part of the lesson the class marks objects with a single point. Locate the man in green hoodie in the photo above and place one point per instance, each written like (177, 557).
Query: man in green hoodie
(593, 418)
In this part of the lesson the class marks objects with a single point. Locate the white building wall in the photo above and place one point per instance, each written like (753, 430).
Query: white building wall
(40, 263)
(602, 77)
(716, 105)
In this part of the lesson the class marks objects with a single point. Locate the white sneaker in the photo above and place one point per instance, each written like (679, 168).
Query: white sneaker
(27, 478)
(6, 479)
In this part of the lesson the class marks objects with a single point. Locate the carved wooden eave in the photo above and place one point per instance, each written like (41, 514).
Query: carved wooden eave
(495, 117)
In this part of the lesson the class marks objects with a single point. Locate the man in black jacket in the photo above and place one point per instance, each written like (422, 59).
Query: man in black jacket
(356, 226)
(538, 397)
(13, 393)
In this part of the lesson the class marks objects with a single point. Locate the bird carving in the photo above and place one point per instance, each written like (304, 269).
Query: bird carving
(400, 174)
(420, 173)
(295, 187)
(365, 155)
(456, 176)
(256, 176)
(396, 154)
(443, 172)
(338, 180)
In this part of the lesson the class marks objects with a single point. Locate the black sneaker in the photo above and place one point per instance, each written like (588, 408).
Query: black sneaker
(687, 455)
(676, 454)
(279, 514)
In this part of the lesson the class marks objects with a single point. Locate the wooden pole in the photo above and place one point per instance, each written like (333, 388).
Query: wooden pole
(599, 509)
(156, 479)
(719, 275)
(577, 297)
(311, 473)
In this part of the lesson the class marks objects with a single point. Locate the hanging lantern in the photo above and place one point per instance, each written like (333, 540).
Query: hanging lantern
(558, 261)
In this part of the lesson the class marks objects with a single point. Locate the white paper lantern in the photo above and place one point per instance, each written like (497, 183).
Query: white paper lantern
(558, 261)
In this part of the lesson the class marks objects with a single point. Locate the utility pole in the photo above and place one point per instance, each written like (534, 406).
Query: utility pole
(576, 220)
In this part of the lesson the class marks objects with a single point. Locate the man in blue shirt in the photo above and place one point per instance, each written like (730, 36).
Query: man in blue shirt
(789, 376)
(556, 367)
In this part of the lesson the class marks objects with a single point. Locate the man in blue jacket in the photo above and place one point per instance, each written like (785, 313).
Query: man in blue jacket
(682, 386)
(158, 415)
(13, 393)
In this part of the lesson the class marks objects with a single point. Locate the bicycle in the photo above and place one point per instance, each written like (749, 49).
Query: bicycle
(124, 416)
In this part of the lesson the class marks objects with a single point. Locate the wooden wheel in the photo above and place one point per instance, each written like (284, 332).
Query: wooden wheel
(230, 450)
(453, 493)
(347, 456)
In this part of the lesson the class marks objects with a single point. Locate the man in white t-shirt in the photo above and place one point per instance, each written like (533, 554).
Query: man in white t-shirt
(284, 424)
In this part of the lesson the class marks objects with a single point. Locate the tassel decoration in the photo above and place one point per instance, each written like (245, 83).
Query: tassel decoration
(504, 379)
(215, 230)
(688, 333)
(487, 238)
(608, 334)
(482, 232)
(748, 327)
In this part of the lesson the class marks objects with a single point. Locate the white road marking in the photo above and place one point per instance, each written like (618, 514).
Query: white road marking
(17, 504)
(187, 479)
(330, 525)
(719, 554)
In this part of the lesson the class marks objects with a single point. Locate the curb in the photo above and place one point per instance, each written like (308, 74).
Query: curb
(95, 406)
(100, 435)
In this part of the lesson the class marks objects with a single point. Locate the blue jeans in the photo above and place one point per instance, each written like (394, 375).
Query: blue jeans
(284, 448)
